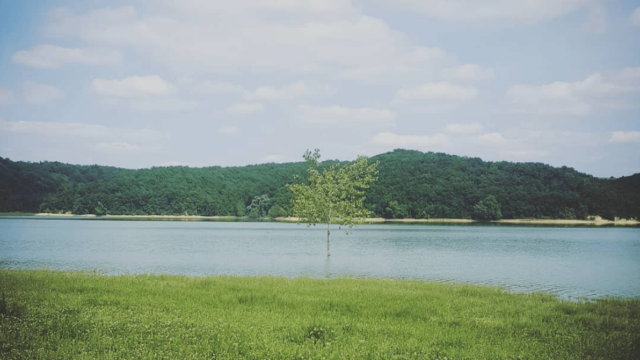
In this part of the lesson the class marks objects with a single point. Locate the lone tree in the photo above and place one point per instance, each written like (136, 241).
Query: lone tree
(335, 195)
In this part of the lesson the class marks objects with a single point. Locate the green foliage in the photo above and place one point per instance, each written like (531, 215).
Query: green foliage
(87, 316)
(395, 211)
(277, 211)
(487, 209)
(424, 185)
(258, 207)
(100, 209)
(335, 195)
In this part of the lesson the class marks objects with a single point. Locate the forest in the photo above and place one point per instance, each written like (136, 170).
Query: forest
(411, 184)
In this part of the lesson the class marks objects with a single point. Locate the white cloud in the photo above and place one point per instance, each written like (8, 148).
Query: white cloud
(578, 98)
(517, 144)
(288, 36)
(242, 109)
(625, 136)
(470, 72)
(524, 155)
(228, 130)
(272, 159)
(36, 93)
(144, 93)
(124, 148)
(470, 128)
(117, 147)
(548, 138)
(491, 139)
(6, 97)
(435, 97)
(509, 11)
(172, 163)
(340, 116)
(211, 87)
(301, 9)
(442, 91)
(52, 57)
(97, 133)
(426, 142)
(290, 92)
(132, 87)
(635, 17)
(161, 104)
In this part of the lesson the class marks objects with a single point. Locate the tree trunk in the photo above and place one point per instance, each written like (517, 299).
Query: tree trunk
(329, 238)
(329, 233)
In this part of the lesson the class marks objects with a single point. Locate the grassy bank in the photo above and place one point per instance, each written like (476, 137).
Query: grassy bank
(56, 315)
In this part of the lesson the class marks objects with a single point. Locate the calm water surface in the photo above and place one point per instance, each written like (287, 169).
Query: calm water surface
(570, 262)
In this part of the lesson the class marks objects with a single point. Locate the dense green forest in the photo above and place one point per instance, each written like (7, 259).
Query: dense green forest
(411, 184)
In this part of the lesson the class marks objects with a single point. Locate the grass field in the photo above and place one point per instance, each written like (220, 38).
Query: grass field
(58, 315)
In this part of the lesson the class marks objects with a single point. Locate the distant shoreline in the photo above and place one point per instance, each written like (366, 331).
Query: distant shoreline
(596, 221)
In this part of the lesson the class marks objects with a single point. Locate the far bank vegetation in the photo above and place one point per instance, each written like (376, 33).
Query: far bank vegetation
(410, 184)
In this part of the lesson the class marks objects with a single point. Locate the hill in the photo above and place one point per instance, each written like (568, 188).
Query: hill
(410, 184)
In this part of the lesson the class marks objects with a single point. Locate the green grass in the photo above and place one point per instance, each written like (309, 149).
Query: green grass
(59, 315)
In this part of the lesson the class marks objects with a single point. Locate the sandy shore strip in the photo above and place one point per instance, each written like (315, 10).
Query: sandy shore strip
(596, 220)
(185, 217)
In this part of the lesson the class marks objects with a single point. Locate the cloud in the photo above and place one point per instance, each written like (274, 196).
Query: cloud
(172, 163)
(288, 36)
(426, 142)
(121, 148)
(635, 17)
(340, 116)
(95, 133)
(53, 57)
(549, 138)
(272, 159)
(160, 104)
(470, 128)
(144, 93)
(228, 130)
(524, 155)
(625, 137)
(470, 72)
(491, 139)
(243, 109)
(36, 93)
(305, 9)
(211, 87)
(517, 144)
(442, 91)
(515, 12)
(290, 92)
(578, 98)
(435, 97)
(132, 87)
(6, 97)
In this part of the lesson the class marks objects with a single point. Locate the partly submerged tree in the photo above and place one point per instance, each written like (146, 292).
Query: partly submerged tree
(333, 195)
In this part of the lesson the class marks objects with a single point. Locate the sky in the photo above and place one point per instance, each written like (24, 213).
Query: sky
(143, 83)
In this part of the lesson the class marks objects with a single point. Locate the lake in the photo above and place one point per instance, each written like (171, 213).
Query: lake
(572, 262)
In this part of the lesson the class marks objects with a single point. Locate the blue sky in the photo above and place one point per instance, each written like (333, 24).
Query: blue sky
(144, 83)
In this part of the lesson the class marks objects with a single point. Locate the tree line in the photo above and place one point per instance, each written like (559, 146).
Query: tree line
(410, 184)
